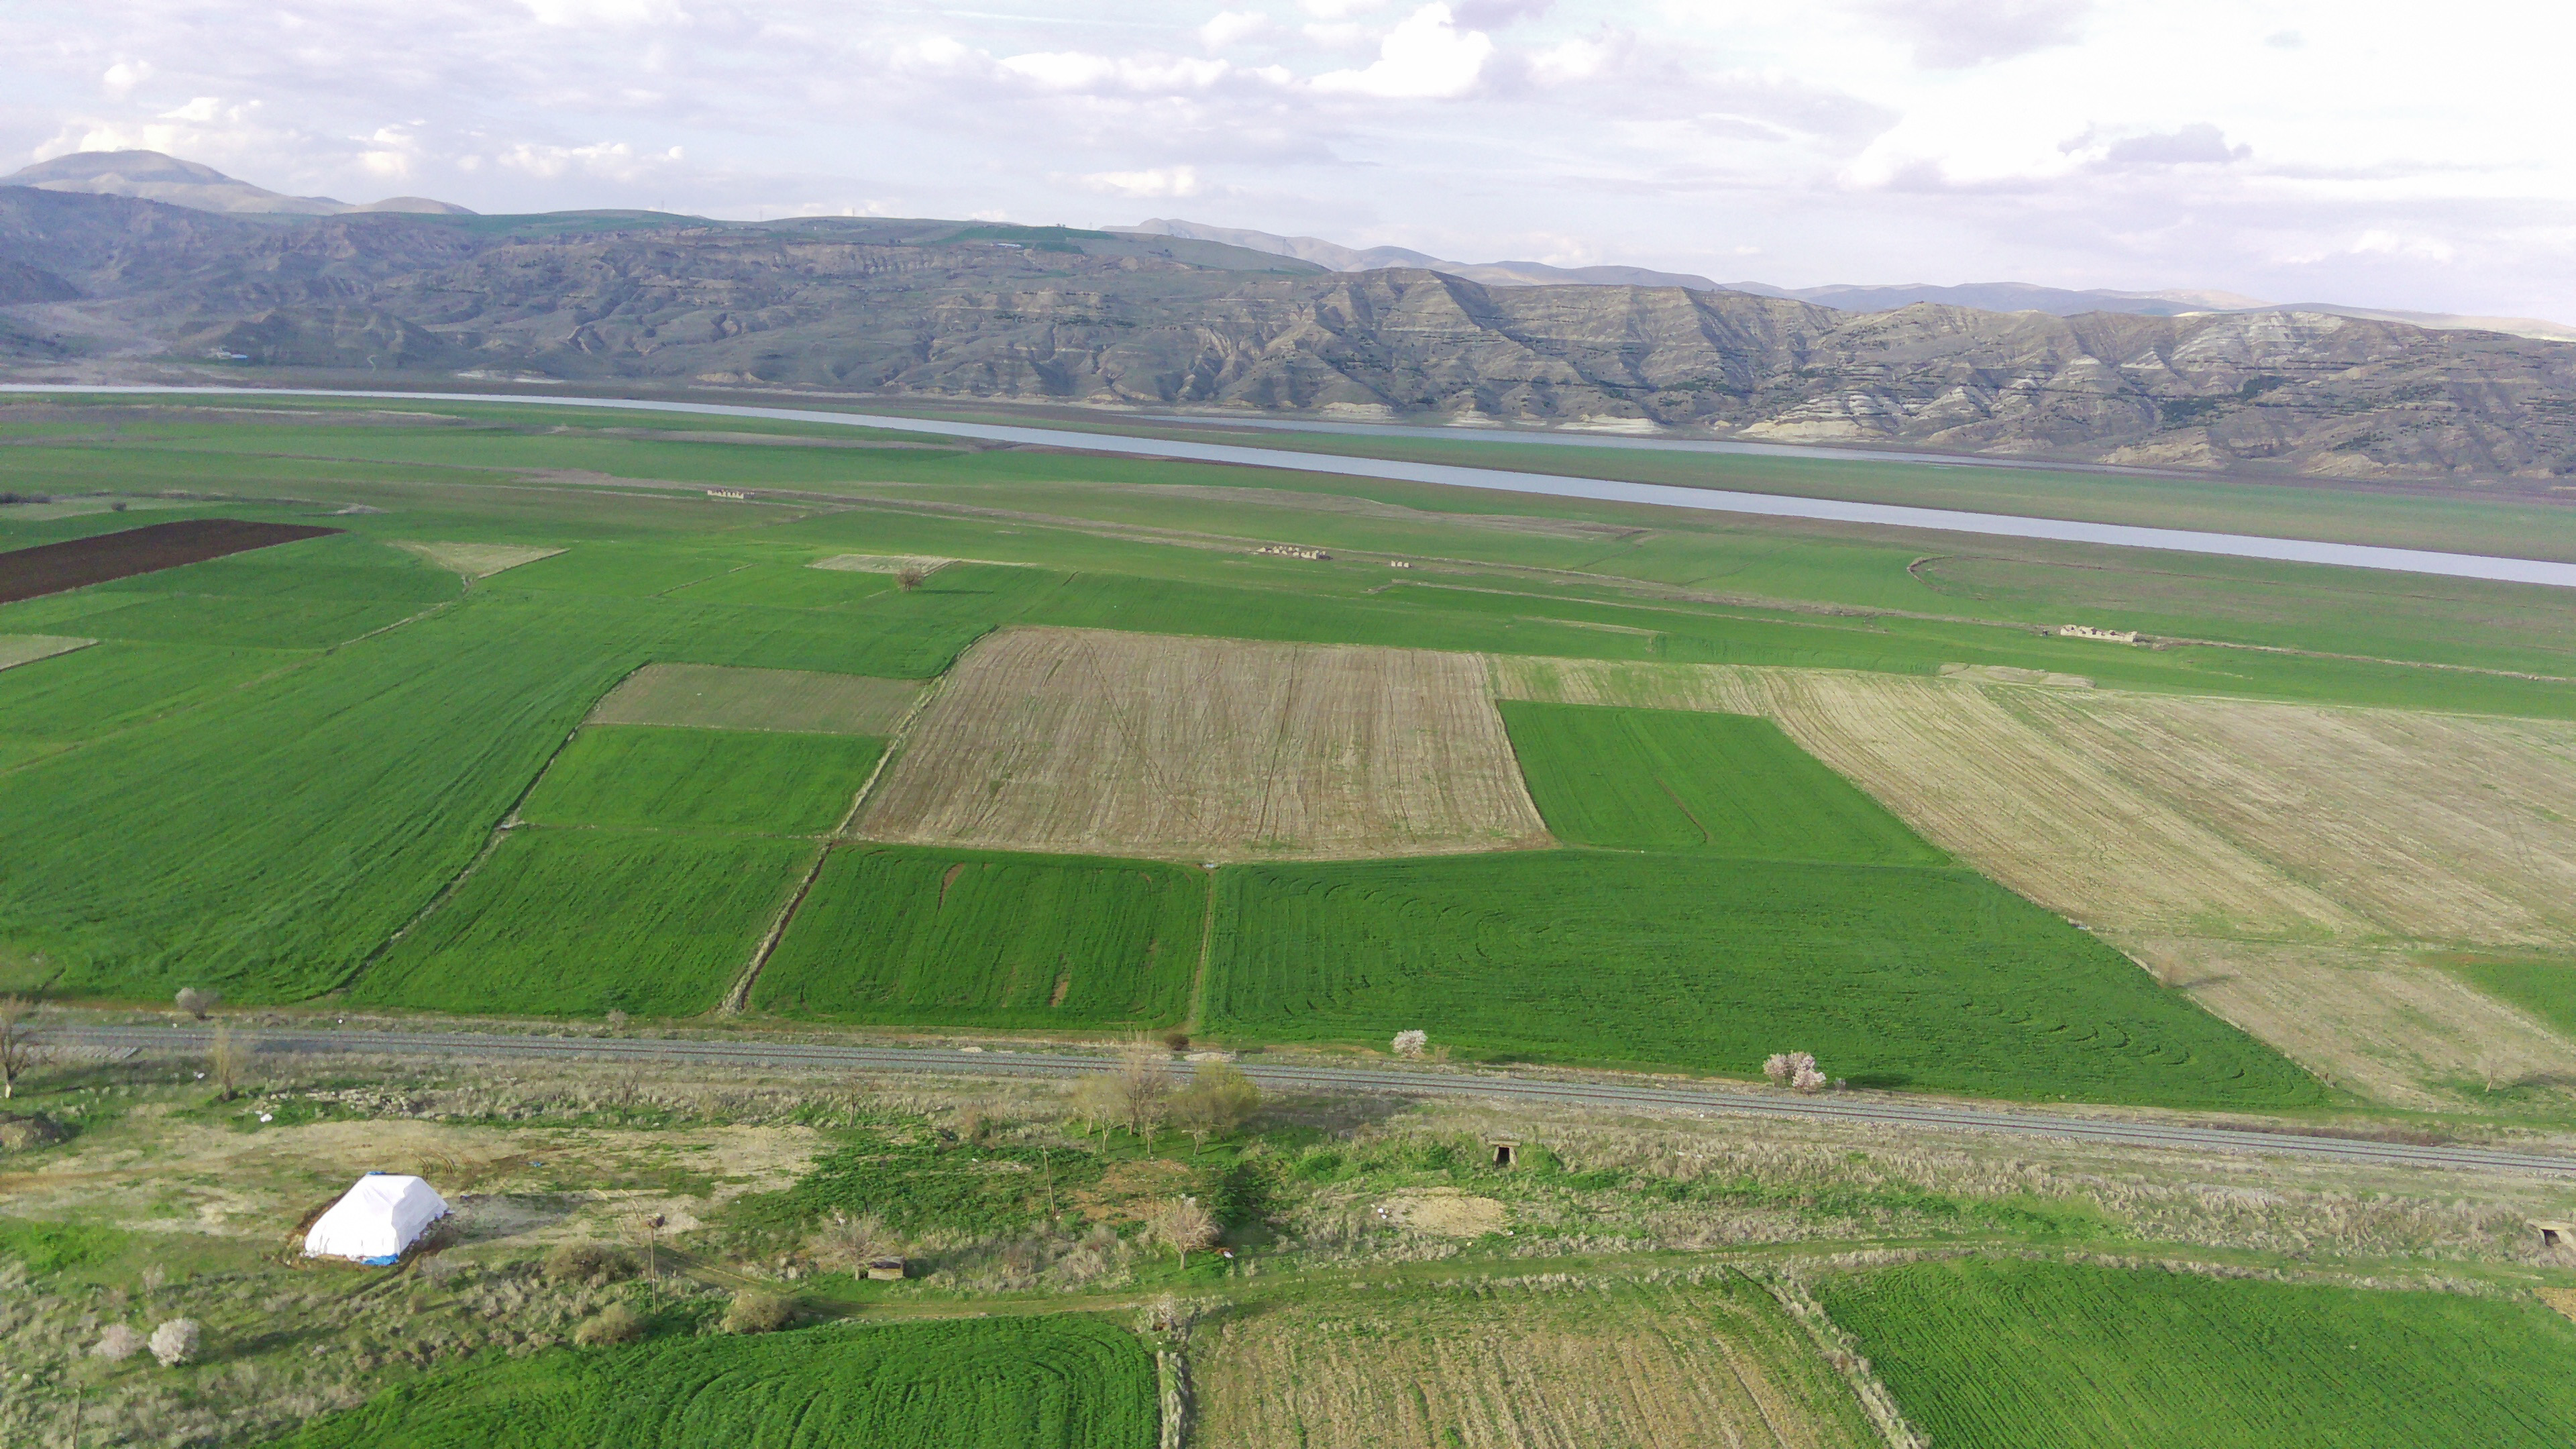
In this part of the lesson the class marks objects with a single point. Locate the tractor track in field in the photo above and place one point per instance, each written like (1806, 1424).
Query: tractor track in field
(823, 1057)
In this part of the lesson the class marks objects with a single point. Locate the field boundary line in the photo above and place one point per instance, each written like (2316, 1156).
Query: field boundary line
(492, 843)
(1837, 1349)
(1207, 948)
(737, 998)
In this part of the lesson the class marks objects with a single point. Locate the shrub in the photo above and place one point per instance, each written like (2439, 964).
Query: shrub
(588, 1263)
(753, 1311)
(1178, 1041)
(197, 1002)
(1794, 1069)
(1185, 1226)
(847, 1242)
(1220, 1099)
(614, 1324)
(1411, 1043)
(119, 1343)
(176, 1342)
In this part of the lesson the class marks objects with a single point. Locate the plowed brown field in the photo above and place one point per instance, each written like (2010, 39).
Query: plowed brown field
(1565, 1367)
(76, 563)
(1097, 742)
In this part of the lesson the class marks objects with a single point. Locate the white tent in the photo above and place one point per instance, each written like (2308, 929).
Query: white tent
(374, 1221)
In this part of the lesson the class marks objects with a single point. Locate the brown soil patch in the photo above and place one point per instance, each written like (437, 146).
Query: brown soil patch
(1097, 742)
(2562, 1299)
(478, 560)
(17, 649)
(709, 696)
(1129, 1191)
(1569, 1367)
(51, 568)
(1447, 1212)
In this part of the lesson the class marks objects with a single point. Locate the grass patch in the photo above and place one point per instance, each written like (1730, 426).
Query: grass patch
(1728, 784)
(739, 780)
(904, 935)
(2021, 1355)
(1892, 976)
(709, 697)
(582, 922)
(2543, 986)
(53, 1247)
(1057, 1382)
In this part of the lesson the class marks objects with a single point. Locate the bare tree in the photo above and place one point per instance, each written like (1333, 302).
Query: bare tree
(848, 1243)
(1144, 1088)
(1218, 1099)
(227, 1061)
(1185, 1226)
(17, 1053)
(197, 1003)
(909, 578)
(1097, 1101)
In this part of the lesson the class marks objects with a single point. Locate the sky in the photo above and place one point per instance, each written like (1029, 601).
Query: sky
(2394, 155)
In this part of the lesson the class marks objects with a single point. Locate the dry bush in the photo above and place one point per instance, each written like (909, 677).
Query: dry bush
(616, 1019)
(17, 1054)
(197, 1002)
(1219, 1099)
(1185, 1226)
(910, 577)
(614, 1324)
(120, 1342)
(848, 1243)
(177, 1341)
(227, 1061)
(1144, 1087)
(1410, 1043)
(591, 1263)
(753, 1311)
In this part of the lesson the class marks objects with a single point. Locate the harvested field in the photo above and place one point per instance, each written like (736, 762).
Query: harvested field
(1102, 743)
(2373, 1022)
(479, 560)
(882, 563)
(17, 649)
(707, 696)
(2194, 831)
(50, 568)
(1567, 1366)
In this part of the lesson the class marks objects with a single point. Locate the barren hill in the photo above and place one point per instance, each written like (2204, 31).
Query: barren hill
(957, 309)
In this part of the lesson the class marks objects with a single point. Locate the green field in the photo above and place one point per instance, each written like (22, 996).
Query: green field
(920, 936)
(2543, 986)
(582, 922)
(702, 779)
(2028, 1355)
(1727, 784)
(1057, 1382)
(1892, 976)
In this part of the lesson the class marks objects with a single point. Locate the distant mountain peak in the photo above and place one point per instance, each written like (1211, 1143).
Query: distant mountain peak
(152, 176)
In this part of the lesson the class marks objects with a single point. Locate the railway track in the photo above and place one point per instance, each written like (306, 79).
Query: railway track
(826, 1058)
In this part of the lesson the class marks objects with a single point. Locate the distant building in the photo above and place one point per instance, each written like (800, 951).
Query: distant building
(2087, 631)
(1290, 550)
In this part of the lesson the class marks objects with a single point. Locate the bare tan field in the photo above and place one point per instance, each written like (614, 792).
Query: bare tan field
(479, 560)
(882, 563)
(715, 697)
(17, 649)
(1097, 742)
(1657, 1366)
(2281, 855)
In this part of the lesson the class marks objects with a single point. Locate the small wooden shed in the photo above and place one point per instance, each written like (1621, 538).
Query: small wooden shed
(1506, 1150)
(886, 1270)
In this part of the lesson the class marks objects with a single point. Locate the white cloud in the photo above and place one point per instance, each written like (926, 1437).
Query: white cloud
(1229, 27)
(1425, 58)
(200, 110)
(1165, 181)
(614, 160)
(1076, 71)
(612, 14)
(1952, 34)
(122, 77)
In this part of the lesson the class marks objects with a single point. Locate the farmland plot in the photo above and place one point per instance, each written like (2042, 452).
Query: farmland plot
(17, 649)
(1892, 976)
(899, 935)
(801, 701)
(75, 563)
(1678, 780)
(1056, 1382)
(479, 560)
(1085, 742)
(738, 780)
(583, 922)
(2036, 1355)
(1653, 1366)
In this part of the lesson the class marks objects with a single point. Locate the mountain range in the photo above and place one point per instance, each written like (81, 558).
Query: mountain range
(100, 287)
(152, 176)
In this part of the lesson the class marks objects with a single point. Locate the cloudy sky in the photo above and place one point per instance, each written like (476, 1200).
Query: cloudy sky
(2345, 150)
